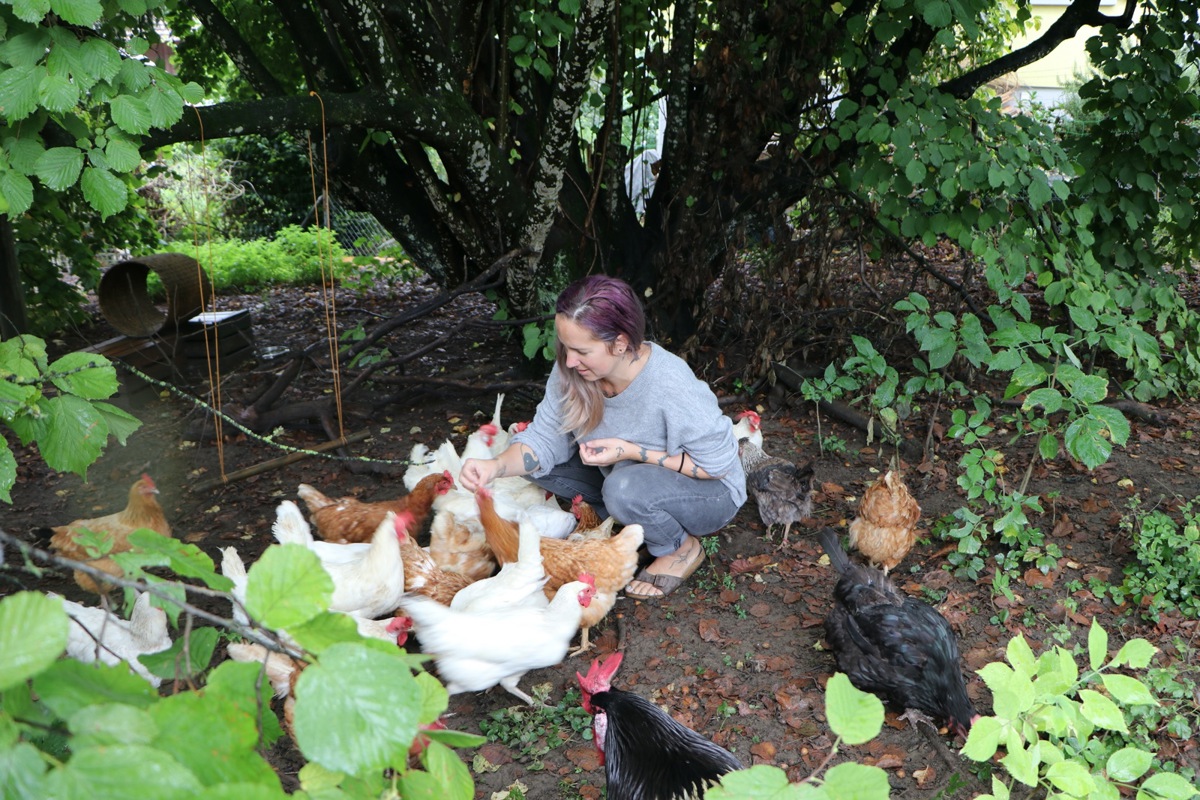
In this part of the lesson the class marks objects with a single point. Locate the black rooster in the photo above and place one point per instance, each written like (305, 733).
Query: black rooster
(892, 645)
(646, 754)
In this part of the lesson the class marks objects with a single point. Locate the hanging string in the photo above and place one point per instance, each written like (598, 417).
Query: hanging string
(325, 255)
(212, 351)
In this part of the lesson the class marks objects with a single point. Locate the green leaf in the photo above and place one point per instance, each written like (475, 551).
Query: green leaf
(852, 781)
(22, 771)
(59, 167)
(184, 559)
(434, 698)
(33, 634)
(915, 172)
(1168, 785)
(116, 772)
(1021, 656)
(1084, 439)
(120, 423)
(1048, 398)
(1071, 777)
(356, 710)
(1021, 761)
(130, 113)
(58, 93)
(31, 10)
(937, 14)
(70, 685)
(1128, 764)
(164, 104)
(85, 375)
(8, 472)
(174, 663)
(1135, 653)
(122, 154)
(215, 740)
(1102, 711)
(856, 716)
(983, 739)
(75, 434)
(19, 89)
(239, 684)
(1048, 446)
(111, 723)
(446, 776)
(1128, 691)
(17, 191)
(1097, 645)
(100, 58)
(287, 586)
(104, 191)
(325, 629)
(78, 12)
(760, 781)
(1114, 420)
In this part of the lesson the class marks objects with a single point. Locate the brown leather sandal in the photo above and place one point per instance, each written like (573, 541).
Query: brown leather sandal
(663, 582)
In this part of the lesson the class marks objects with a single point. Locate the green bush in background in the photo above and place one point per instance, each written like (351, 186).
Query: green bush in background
(294, 256)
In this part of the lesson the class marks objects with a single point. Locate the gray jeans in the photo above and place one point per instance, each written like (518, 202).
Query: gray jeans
(666, 504)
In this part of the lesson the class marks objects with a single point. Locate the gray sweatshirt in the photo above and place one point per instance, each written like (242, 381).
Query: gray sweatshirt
(666, 408)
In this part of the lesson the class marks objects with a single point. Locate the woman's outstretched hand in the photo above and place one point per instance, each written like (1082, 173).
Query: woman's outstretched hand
(606, 452)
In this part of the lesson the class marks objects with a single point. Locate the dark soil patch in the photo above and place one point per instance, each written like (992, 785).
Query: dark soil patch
(736, 655)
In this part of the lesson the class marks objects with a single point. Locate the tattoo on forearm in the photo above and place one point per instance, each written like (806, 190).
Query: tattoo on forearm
(620, 453)
(695, 470)
(643, 455)
(530, 461)
(502, 472)
(662, 460)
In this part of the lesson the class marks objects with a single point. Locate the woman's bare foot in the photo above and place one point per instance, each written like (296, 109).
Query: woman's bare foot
(679, 565)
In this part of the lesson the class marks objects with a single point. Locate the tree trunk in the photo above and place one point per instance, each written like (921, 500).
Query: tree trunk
(12, 296)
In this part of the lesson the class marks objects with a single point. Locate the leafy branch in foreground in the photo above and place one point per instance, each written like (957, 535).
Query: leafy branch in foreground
(71, 730)
(70, 428)
(1067, 732)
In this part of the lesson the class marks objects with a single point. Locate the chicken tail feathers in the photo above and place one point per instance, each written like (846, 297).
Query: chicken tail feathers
(833, 548)
(42, 535)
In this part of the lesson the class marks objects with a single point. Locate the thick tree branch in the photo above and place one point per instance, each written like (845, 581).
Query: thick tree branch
(558, 132)
(1077, 15)
(238, 49)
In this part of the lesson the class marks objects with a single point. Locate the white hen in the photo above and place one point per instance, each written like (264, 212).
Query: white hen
(423, 462)
(368, 579)
(99, 635)
(518, 583)
(476, 650)
(748, 426)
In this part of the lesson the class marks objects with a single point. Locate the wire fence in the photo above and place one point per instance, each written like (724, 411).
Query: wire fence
(358, 232)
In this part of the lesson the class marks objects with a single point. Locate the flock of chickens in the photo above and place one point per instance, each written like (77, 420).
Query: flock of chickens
(558, 572)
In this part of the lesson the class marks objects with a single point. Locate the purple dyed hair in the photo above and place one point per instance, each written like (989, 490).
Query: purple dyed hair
(607, 308)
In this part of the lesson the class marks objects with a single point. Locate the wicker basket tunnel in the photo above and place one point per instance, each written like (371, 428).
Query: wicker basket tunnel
(125, 300)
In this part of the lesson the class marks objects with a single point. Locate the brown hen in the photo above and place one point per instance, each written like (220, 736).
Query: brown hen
(886, 526)
(347, 520)
(142, 511)
(610, 561)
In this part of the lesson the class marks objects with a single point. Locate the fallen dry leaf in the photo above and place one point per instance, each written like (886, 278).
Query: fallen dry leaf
(709, 630)
(924, 775)
(763, 750)
(1035, 579)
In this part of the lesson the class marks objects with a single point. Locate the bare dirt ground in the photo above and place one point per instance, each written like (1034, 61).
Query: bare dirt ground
(737, 653)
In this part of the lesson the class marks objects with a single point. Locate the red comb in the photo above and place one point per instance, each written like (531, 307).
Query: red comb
(588, 579)
(400, 625)
(522, 425)
(599, 676)
(489, 429)
(483, 493)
